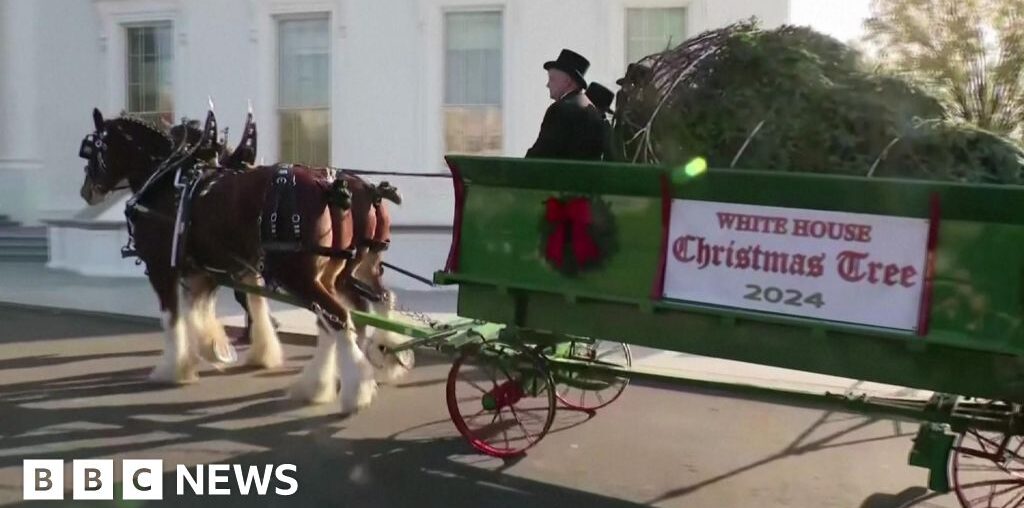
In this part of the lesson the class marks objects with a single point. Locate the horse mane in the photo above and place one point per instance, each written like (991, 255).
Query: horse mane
(150, 136)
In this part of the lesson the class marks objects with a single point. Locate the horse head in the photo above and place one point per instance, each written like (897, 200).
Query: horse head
(119, 149)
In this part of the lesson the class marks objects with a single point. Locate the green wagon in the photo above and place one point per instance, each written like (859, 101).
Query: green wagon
(561, 266)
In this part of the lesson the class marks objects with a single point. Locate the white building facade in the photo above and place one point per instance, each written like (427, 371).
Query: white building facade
(370, 84)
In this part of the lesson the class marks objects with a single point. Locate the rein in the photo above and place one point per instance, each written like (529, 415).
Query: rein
(389, 173)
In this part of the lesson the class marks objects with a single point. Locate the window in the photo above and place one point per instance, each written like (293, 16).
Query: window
(652, 30)
(303, 70)
(472, 87)
(150, 57)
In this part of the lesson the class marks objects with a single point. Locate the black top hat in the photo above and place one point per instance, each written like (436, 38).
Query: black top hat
(601, 97)
(571, 63)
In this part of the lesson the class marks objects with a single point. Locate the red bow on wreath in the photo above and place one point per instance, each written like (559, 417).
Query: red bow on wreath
(570, 220)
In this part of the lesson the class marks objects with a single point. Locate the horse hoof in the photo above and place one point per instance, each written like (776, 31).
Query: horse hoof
(311, 393)
(361, 399)
(264, 358)
(261, 362)
(170, 376)
(225, 353)
(394, 367)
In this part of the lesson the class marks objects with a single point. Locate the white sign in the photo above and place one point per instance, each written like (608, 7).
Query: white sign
(848, 267)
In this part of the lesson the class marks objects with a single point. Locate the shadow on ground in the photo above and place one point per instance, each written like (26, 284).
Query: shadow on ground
(79, 416)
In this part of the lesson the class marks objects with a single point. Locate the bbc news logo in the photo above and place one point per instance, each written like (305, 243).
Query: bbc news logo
(144, 479)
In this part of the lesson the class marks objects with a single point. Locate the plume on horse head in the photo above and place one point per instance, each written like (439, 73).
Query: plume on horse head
(201, 142)
(245, 152)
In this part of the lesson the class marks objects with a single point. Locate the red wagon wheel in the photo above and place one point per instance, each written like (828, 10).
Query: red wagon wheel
(500, 398)
(587, 389)
(988, 469)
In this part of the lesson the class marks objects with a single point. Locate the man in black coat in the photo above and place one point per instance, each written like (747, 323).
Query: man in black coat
(572, 126)
(601, 97)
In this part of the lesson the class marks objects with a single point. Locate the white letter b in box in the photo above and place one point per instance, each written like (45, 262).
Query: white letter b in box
(93, 479)
(42, 479)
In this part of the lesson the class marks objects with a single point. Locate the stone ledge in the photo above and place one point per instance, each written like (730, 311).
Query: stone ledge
(90, 224)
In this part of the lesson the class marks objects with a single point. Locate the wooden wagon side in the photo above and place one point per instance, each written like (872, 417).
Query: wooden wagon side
(966, 342)
(973, 346)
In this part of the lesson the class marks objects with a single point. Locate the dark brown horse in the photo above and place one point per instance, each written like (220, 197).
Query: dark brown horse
(227, 235)
(360, 284)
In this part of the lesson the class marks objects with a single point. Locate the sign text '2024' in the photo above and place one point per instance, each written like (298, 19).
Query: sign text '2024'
(792, 297)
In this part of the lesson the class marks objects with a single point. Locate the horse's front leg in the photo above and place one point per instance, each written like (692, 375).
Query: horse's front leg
(178, 364)
(337, 352)
(265, 350)
(212, 344)
(388, 367)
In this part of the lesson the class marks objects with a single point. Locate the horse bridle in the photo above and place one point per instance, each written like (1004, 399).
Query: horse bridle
(93, 147)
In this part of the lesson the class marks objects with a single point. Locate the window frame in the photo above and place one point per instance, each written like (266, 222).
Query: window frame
(127, 27)
(278, 109)
(625, 24)
(443, 105)
(264, 86)
(115, 16)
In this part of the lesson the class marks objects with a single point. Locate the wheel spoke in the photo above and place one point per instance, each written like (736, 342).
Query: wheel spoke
(526, 433)
(1015, 456)
(478, 387)
(516, 375)
(987, 466)
(477, 414)
(1016, 500)
(995, 493)
(504, 431)
(530, 414)
(988, 497)
(982, 439)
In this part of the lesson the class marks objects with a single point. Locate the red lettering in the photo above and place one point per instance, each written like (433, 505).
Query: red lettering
(865, 234)
(799, 227)
(816, 266)
(832, 230)
(848, 264)
(780, 226)
(776, 262)
(892, 271)
(717, 260)
(766, 224)
(679, 249)
(755, 223)
(851, 269)
(875, 267)
(907, 275)
(835, 230)
(743, 223)
(726, 220)
(743, 258)
(817, 229)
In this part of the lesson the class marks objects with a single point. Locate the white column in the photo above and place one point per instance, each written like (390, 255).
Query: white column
(19, 155)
